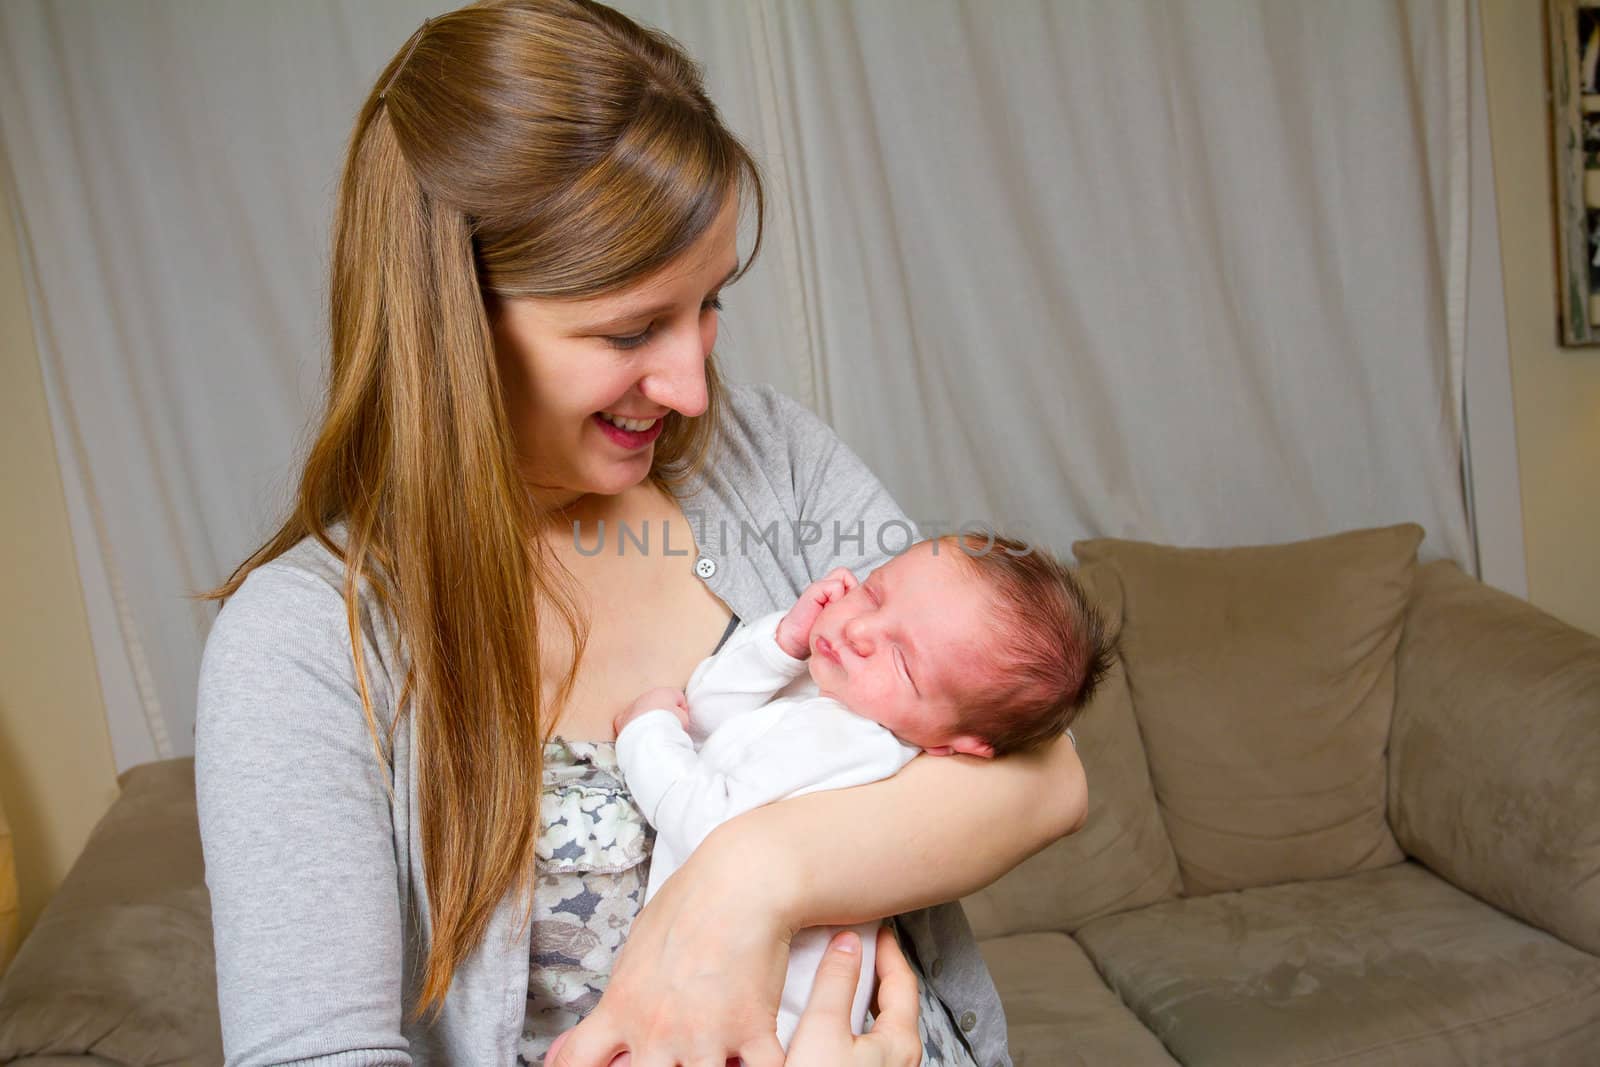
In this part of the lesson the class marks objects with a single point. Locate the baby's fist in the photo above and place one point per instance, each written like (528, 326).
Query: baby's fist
(673, 700)
(794, 632)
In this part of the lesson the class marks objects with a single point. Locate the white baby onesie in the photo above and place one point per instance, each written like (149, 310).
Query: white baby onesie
(763, 733)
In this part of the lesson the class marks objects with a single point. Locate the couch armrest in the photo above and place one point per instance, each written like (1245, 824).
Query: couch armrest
(1494, 755)
(120, 965)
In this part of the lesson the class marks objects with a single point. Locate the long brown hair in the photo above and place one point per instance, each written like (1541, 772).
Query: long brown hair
(549, 148)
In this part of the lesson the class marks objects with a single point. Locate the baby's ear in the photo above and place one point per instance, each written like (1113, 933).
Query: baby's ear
(972, 746)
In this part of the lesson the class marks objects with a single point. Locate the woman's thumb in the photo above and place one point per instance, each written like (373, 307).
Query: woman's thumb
(834, 990)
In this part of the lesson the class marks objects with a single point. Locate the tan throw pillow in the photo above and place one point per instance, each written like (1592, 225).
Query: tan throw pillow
(1263, 683)
(1121, 858)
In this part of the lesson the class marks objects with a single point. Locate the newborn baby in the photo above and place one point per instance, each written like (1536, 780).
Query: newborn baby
(944, 649)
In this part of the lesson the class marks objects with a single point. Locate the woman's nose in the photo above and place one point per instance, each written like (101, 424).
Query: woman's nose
(678, 380)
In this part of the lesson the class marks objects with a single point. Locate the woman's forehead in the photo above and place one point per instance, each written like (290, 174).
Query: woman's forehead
(704, 266)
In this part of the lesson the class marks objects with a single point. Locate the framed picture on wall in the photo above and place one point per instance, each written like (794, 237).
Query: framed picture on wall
(1574, 30)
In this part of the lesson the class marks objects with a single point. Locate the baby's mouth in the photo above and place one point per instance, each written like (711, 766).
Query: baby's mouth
(826, 649)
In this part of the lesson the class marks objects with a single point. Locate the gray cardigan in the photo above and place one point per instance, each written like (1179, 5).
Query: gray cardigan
(308, 837)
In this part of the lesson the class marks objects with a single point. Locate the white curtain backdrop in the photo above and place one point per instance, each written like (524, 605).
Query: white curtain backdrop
(1192, 273)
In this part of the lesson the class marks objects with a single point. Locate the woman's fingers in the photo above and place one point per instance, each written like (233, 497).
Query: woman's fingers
(589, 1045)
(827, 1014)
(896, 1022)
(765, 1053)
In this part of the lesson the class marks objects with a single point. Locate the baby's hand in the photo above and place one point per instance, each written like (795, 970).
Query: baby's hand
(794, 632)
(674, 700)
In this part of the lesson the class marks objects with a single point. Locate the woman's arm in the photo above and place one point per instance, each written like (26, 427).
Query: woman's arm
(943, 827)
(296, 823)
(700, 975)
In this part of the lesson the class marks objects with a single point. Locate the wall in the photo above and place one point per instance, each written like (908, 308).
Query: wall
(1556, 390)
(56, 773)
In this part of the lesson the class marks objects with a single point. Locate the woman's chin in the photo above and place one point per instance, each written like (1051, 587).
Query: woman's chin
(620, 477)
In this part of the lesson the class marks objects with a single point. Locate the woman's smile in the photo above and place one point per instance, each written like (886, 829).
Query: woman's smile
(631, 439)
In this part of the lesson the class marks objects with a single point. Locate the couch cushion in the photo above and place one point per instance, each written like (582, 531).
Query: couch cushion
(1494, 761)
(120, 964)
(1121, 858)
(1382, 967)
(1263, 683)
(1058, 1010)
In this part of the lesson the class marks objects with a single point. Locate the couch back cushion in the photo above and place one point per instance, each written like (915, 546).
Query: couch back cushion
(1121, 858)
(1262, 680)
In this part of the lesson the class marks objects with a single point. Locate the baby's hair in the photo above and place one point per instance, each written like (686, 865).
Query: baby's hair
(1054, 646)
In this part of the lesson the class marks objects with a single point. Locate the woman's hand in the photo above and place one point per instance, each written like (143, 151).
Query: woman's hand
(823, 1038)
(698, 981)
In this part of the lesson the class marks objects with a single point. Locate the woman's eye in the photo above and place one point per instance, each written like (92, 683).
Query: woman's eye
(643, 336)
(632, 341)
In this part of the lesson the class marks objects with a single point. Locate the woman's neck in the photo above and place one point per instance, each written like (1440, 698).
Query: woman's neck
(590, 509)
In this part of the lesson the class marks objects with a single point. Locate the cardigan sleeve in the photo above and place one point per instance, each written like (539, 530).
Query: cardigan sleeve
(297, 829)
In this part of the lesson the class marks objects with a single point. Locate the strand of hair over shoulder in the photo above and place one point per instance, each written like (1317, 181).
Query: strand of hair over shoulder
(416, 39)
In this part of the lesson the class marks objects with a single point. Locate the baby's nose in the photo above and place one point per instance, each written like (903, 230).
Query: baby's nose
(859, 636)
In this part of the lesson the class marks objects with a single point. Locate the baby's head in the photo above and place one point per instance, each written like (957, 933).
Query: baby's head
(960, 645)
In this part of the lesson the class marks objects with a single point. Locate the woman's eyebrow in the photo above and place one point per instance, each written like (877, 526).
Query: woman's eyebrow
(650, 312)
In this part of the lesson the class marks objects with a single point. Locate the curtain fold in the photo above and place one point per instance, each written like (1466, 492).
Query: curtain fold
(1191, 273)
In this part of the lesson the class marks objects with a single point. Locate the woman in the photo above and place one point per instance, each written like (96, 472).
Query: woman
(417, 845)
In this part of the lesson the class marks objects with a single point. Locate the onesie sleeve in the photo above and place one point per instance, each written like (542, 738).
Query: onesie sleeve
(299, 841)
(804, 746)
(743, 675)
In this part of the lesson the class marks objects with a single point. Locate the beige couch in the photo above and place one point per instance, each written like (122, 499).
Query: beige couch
(1343, 811)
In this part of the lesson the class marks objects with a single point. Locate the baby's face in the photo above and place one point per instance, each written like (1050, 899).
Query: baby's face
(905, 644)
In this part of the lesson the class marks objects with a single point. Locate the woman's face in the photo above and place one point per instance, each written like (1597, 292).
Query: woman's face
(574, 369)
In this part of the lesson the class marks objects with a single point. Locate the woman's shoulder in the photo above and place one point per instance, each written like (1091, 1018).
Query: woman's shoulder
(293, 608)
(768, 436)
(307, 576)
(769, 419)
(772, 434)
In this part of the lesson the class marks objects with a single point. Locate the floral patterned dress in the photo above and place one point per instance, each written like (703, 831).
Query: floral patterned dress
(593, 864)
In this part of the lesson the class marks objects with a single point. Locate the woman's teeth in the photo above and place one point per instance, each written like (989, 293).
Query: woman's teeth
(631, 425)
